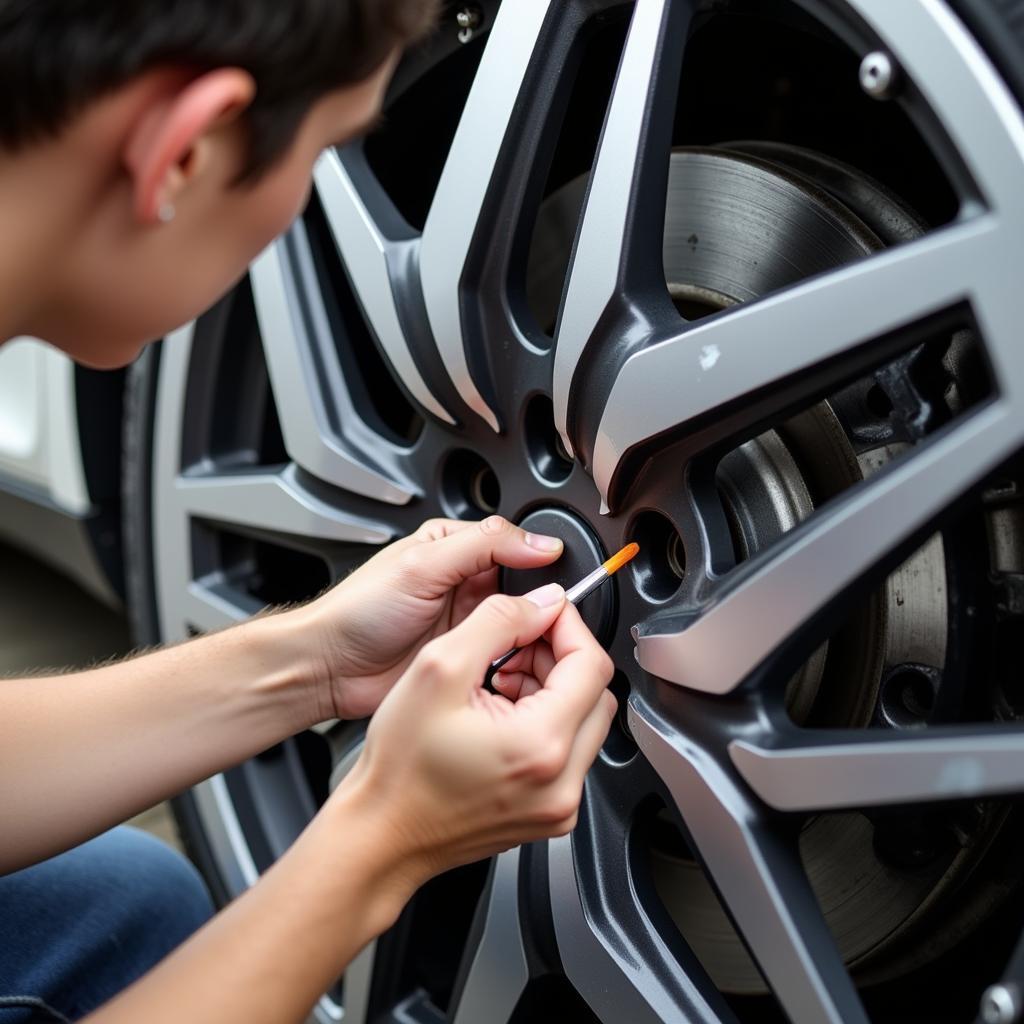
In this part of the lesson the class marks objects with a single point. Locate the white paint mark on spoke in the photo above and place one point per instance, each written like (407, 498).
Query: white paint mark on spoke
(756, 346)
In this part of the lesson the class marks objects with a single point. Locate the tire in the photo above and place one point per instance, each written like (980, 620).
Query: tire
(809, 786)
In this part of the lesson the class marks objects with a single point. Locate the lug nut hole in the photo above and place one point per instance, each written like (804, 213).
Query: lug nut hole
(469, 486)
(620, 746)
(675, 555)
(908, 695)
(661, 563)
(484, 490)
(544, 447)
(878, 402)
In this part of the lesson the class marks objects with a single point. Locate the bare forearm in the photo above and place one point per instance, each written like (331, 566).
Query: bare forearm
(80, 753)
(271, 954)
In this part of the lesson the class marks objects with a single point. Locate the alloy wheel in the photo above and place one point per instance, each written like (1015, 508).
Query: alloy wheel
(798, 394)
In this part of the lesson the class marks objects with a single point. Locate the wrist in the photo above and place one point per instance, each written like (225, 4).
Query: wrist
(362, 826)
(328, 659)
(283, 672)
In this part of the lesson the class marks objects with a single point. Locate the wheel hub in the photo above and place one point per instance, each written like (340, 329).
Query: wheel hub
(583, 553)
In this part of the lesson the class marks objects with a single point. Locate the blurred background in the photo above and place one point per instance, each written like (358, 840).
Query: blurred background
(46, 621)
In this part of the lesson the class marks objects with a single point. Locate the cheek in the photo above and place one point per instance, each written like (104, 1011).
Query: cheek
(276, 202)
(172, 278)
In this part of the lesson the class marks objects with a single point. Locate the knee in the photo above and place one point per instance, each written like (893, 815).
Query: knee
(161, 894)
(92, 920)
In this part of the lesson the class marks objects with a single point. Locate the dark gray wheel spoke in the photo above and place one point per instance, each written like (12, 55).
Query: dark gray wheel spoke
(758, 876)
(825, 771)
(454, 215)
(497, 972)
(368, 255)
(619, 181)
(611, 950)
(307, 400)
(776, 593)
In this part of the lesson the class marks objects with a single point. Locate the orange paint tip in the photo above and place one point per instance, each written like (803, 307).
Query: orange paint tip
(617, 561)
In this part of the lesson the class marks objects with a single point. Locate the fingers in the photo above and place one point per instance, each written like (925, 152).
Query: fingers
(467, 596)
(565, 794)
(536, 660)
(593, 732)
(464, 653)
(452, 553)
(526, 672)
(581, 672)
(516, 685)
(435, 529)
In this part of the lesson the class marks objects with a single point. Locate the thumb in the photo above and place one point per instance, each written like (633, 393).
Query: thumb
(494, 627)
(481, 546)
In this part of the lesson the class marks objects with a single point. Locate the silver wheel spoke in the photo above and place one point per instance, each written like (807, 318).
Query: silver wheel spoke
(776, 592)
(758, 346)
(301, 399)
(356, 991)
(464, 183)
(858, 772)
(981, 116)
(367, 253)
(618, 981)
(209, 606)
(759, 878)
(600, 247)
(498, 972)
(275, 502)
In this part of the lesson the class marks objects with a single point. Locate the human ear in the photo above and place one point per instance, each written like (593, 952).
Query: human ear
(166, 147)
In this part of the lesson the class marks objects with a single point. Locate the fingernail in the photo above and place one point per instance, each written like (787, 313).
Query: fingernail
(542, 542)
(544, 597)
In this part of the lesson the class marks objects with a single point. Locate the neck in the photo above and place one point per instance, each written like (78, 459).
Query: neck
(34, 214)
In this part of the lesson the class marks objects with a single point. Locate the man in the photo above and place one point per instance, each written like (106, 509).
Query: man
(149, 149)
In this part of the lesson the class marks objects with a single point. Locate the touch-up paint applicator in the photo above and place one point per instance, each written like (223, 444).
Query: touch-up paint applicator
(584, 588)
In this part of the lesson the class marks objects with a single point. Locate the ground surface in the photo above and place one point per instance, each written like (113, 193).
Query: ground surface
(48, 622)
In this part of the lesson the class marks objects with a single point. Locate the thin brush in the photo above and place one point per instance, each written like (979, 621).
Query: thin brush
(584, 588)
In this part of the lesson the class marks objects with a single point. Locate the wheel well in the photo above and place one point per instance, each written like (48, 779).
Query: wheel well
(99, 401)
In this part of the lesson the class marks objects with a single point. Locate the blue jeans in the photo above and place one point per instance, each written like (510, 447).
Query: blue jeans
(78, 928)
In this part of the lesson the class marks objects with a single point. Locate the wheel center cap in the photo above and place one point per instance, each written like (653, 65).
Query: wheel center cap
(583, 553)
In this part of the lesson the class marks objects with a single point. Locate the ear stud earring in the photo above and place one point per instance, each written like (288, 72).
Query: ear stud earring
(166, 213)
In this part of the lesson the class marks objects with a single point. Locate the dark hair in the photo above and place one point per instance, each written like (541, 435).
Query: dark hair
(57, 56)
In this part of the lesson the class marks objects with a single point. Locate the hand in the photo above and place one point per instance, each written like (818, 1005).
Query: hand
(460, 773)
(368, 629)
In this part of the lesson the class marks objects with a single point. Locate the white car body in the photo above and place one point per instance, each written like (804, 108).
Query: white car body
(39, 440)
(45, 502)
